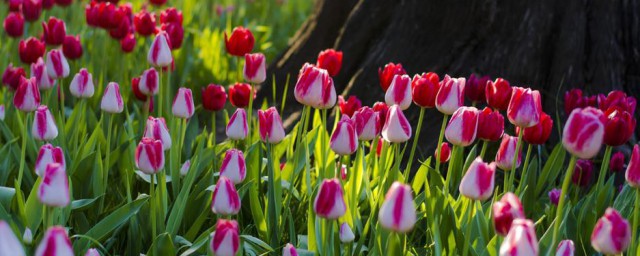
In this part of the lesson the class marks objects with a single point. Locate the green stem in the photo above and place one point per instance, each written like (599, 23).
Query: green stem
(467, 232)
(514, 164)
(23, 157)
(213, 138)
(605, 166)
(249, 116)
(152, 206)
(447, 180)
(484, 149)
(323, 146)
(634, 230)
(415, 142)
(559, 212)
(272, 215)
(160, 95)
(107, 158)
(61, 106)
(440, 138)
(525, 166)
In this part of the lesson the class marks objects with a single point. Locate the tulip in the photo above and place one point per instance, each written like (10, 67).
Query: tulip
(424, 89)
(381, 108)
(225, 199)
(233, 166)
(57, 65)
(387, 73)
(9, 244)
(505, 212)
(521, 239)
(475, 88)
(490, 125)
(573, 99)
(462, 128)
(31, 9)
(149, 156)
(346, 234)
(329, 202)
(54, 189)
(27, 97)
(2, 112)
(289, 250)
(112, 100)
(478, 182)
(31, 50)
(144, 23)
(63, 3)
(396, 127)
(225, 241)
(539, 133)
(158, 2)
(254, 70)
(239, 94)
(612, 233)
(315, 88)
(48, 154)
(633, 169)
(14, 24)
(171, 15)
(149, 82)
(54, 31)
(506, 153)
(237, 128)
(213, 97)
(583, 133)
(270, 123)
(399, 92)
(582, 173)
(121, 23)
(157, 129)
(366, 122)
(14, 5)
(27, 237)
(71, 47)
(344, 140)
(617, 162)
(565, 248)
(44, 126)
(128, 43)
(12, 77)
(554, 196)
(525, 107)
(619, 126)
(619, 99)
(183, 104)
(39, 71)
(397, 212)
(55, 242)
(82, 84)
(349, 106)
(330, 60)
(135, 88)
(449, 97)
(498, 94)
(92, 252)
(175, 32)
(240, 42)
(160, 52)
(445, 148)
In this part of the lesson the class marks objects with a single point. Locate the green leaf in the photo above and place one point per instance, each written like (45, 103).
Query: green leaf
(551, 169)
(83, 204)
(162, 245)
(6, 196)
(102, 229)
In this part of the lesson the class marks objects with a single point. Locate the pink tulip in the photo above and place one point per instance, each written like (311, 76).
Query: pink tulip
(450, 96)
(525, 107)
(233, 166)
(225, 199)
(225, 241)
(344, 140)
(149, 82)
(315, 88)
(346, 234)
(462, 127)
(27, 97)
(184, 169)
(505, 211)
(183, 104)
(554, 196)
(506, 153)
(44, 127)
(633, 169)
(57, 65)
(612, 233)
(366, 123)
(270, 123)
(55, 242)
(399, 92)
(112, 100)
(254, 70)
(289, 250)
(478, 182)
(521, 239)
(237, 128)
(92, 252)
(9, 244)
(48, 154)
(149, 156)
(54, 189)
(329, 202)
(82, 84)
(39, 71)
(397, 212)
(157, 129)
(396, 127)
(160, 52)
(565, 248)
(583, 133)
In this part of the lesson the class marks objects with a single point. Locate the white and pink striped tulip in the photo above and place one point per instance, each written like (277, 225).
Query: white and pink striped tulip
(525, 107)
(270, 123)
(255, 70)
(39, 71)
(367, 123)
(82, 84)
(112, 100)
(505, 211)
(48, 154)
(149, 156)
(225, 199)
(57, 65)
(344, 140)
(27, 96)
(160, 52)
(398, 213)
(289, 250)
(633, 169)
(9, 244)
(566, 248)
(399, 92)
(92, 252)
(149, 82)
(183, 104)
(521, 240)
(346, 234)
(2, 112)
(315, 88)
(225, 241)
(396, 127)
(157, 129)
(54, 189)
(329, 203)
(44, 126)
(462, 127)
(237, 128)
(478, 182)
(451, 94)
(612, 233)
(55, 242)
(506, 153)
(584, 132)
(233, 166)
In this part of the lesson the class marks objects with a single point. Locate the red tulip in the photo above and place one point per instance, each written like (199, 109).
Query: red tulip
(239, 94)
(240, 42)
(381, 108)
(498, 94)
(618, 127)
(63, 3)
(31, 9)
(573, 99)
(582, 173)
(72, 48)
(31, 49)
(475, 88)
(12, 76)
(176, 34)
(505, 211)
(539, 133)
(387, 73)
(135, 87)
(158, 2)
(144, 22)
(462, 127)
(122, 24)
(14, 5)
(490, 125)
(349, 106)
(92, 13)
(128, 43)
(450, 95)
(445, 148)
(617, 98)
(47, 4)
(633, 169)
(171, 15)
(525, 107)
(213, 97)
(424, 89)
(616, 164)
(330, 60)
(14, 24)
(54, 31)
(584, 132)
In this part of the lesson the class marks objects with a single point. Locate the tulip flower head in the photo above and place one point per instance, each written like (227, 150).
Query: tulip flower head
(582, 173)
(289, 250)
(619, 126)
(329, 202)
(54, 31)
(462, 127)
(55, 242)
(539, 133)
(225, 241)
(71, 47)
(381, 108)
(449, 97)
(618, 99)
(521, 239)
(149, 156)
(12, 77)
(2, 112)
(506, 153)
(315, 88)
(144, 22)
(574, 99)
(31, 50)
(14, 24)
(175, 33)
(160, 52)
(633, 169)
(424, 89)
(233, 166)
(397, 212)
(39, 71)
(346, 234)
(240, 42)
(525, 107)
(344, 140)
(387, 73)
(225, 199)
(396, 127)
(399, 92)
(54, 189)
(367, 124)
(612, 233)
(505, 212)
(9, 244)
(171, 15)
(128, 43)
(554, 196)
(31, 9)
(616, 164)
(239, 94)
(584, 132)
(498, 94)
(213, 97)
(270, 123)
(44, 126)
(82, 84)
(92, 252)
(475, 88)
(478, 182)
(349, 106)
(237, 128)
(149, 82)
(112, 100)
(254, 70)
(490, 125)
(57, 65)
(27, 97)
(330, 60)
(183, 106)
(445, 148)
(565, 248)
(156, 129)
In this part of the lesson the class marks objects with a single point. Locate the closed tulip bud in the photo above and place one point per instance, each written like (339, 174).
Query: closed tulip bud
(240, 42)
(237, 128)
(381, 108)
(71, 47)
(184, 169)
(144, 22)
(521, 239)
(63, 3)
(14, 5)
(315, 88)
(27, 97)
(633, 169)
(498, 94)
(616, 164)
(349, 106)
(367, 124)
(490, 125)
(157, 129)
(289, 250)
(44, 126)
(158, 2)
(14, 24)
(346, 234)
(225, 199)
(57, 65)
(539, 133)
(183, 103)
(478, 182)
(329, 202)
(82, 84)
(254, 70)
(396, 127)
(54, 31)
(39, 71)
(397, 212)
(112, 100)
(135, 88)
(330, 60)
(54, 189)
(48, 154)
(612, 233)
(171, 15)
(47, 4)
(574, 99)
(462, 127)
(31, 50)
(149, 82)
(149, 156)
(424, 89)
(213, 97)
(399, 92)
(505, 212)
(449, 97)
(618, 99)
(583, 133)
(31, 9)
(128, 43)
(225, 241)
(506, 153)
(55, 242)
(475, 88)
(233, 166)
(270, 123)
(525, 107)
(9, 244)
(12, 77)
(239, 94)
(582, 173)
(554, 196)
(387, 73)
(160, 52)
(618, 127)
(2, 112)
(92, 252)
(344, 140)
(27, 237)
(445, 148)
(565, 248)
(175, 32)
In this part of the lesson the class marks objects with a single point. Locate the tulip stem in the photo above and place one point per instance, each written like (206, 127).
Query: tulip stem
(467, 232)
(160, 95)
(483, 151)
(447, 179)
(525, 166)
(415, 143)
(107, 158)
(440, 138)
(271, 193)
(323, 146)
(213, 139)
(604, 166)
(249, 114)
(152, 206)
(634, 231)
(23, 157)
(514, 165)
(559, 212)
